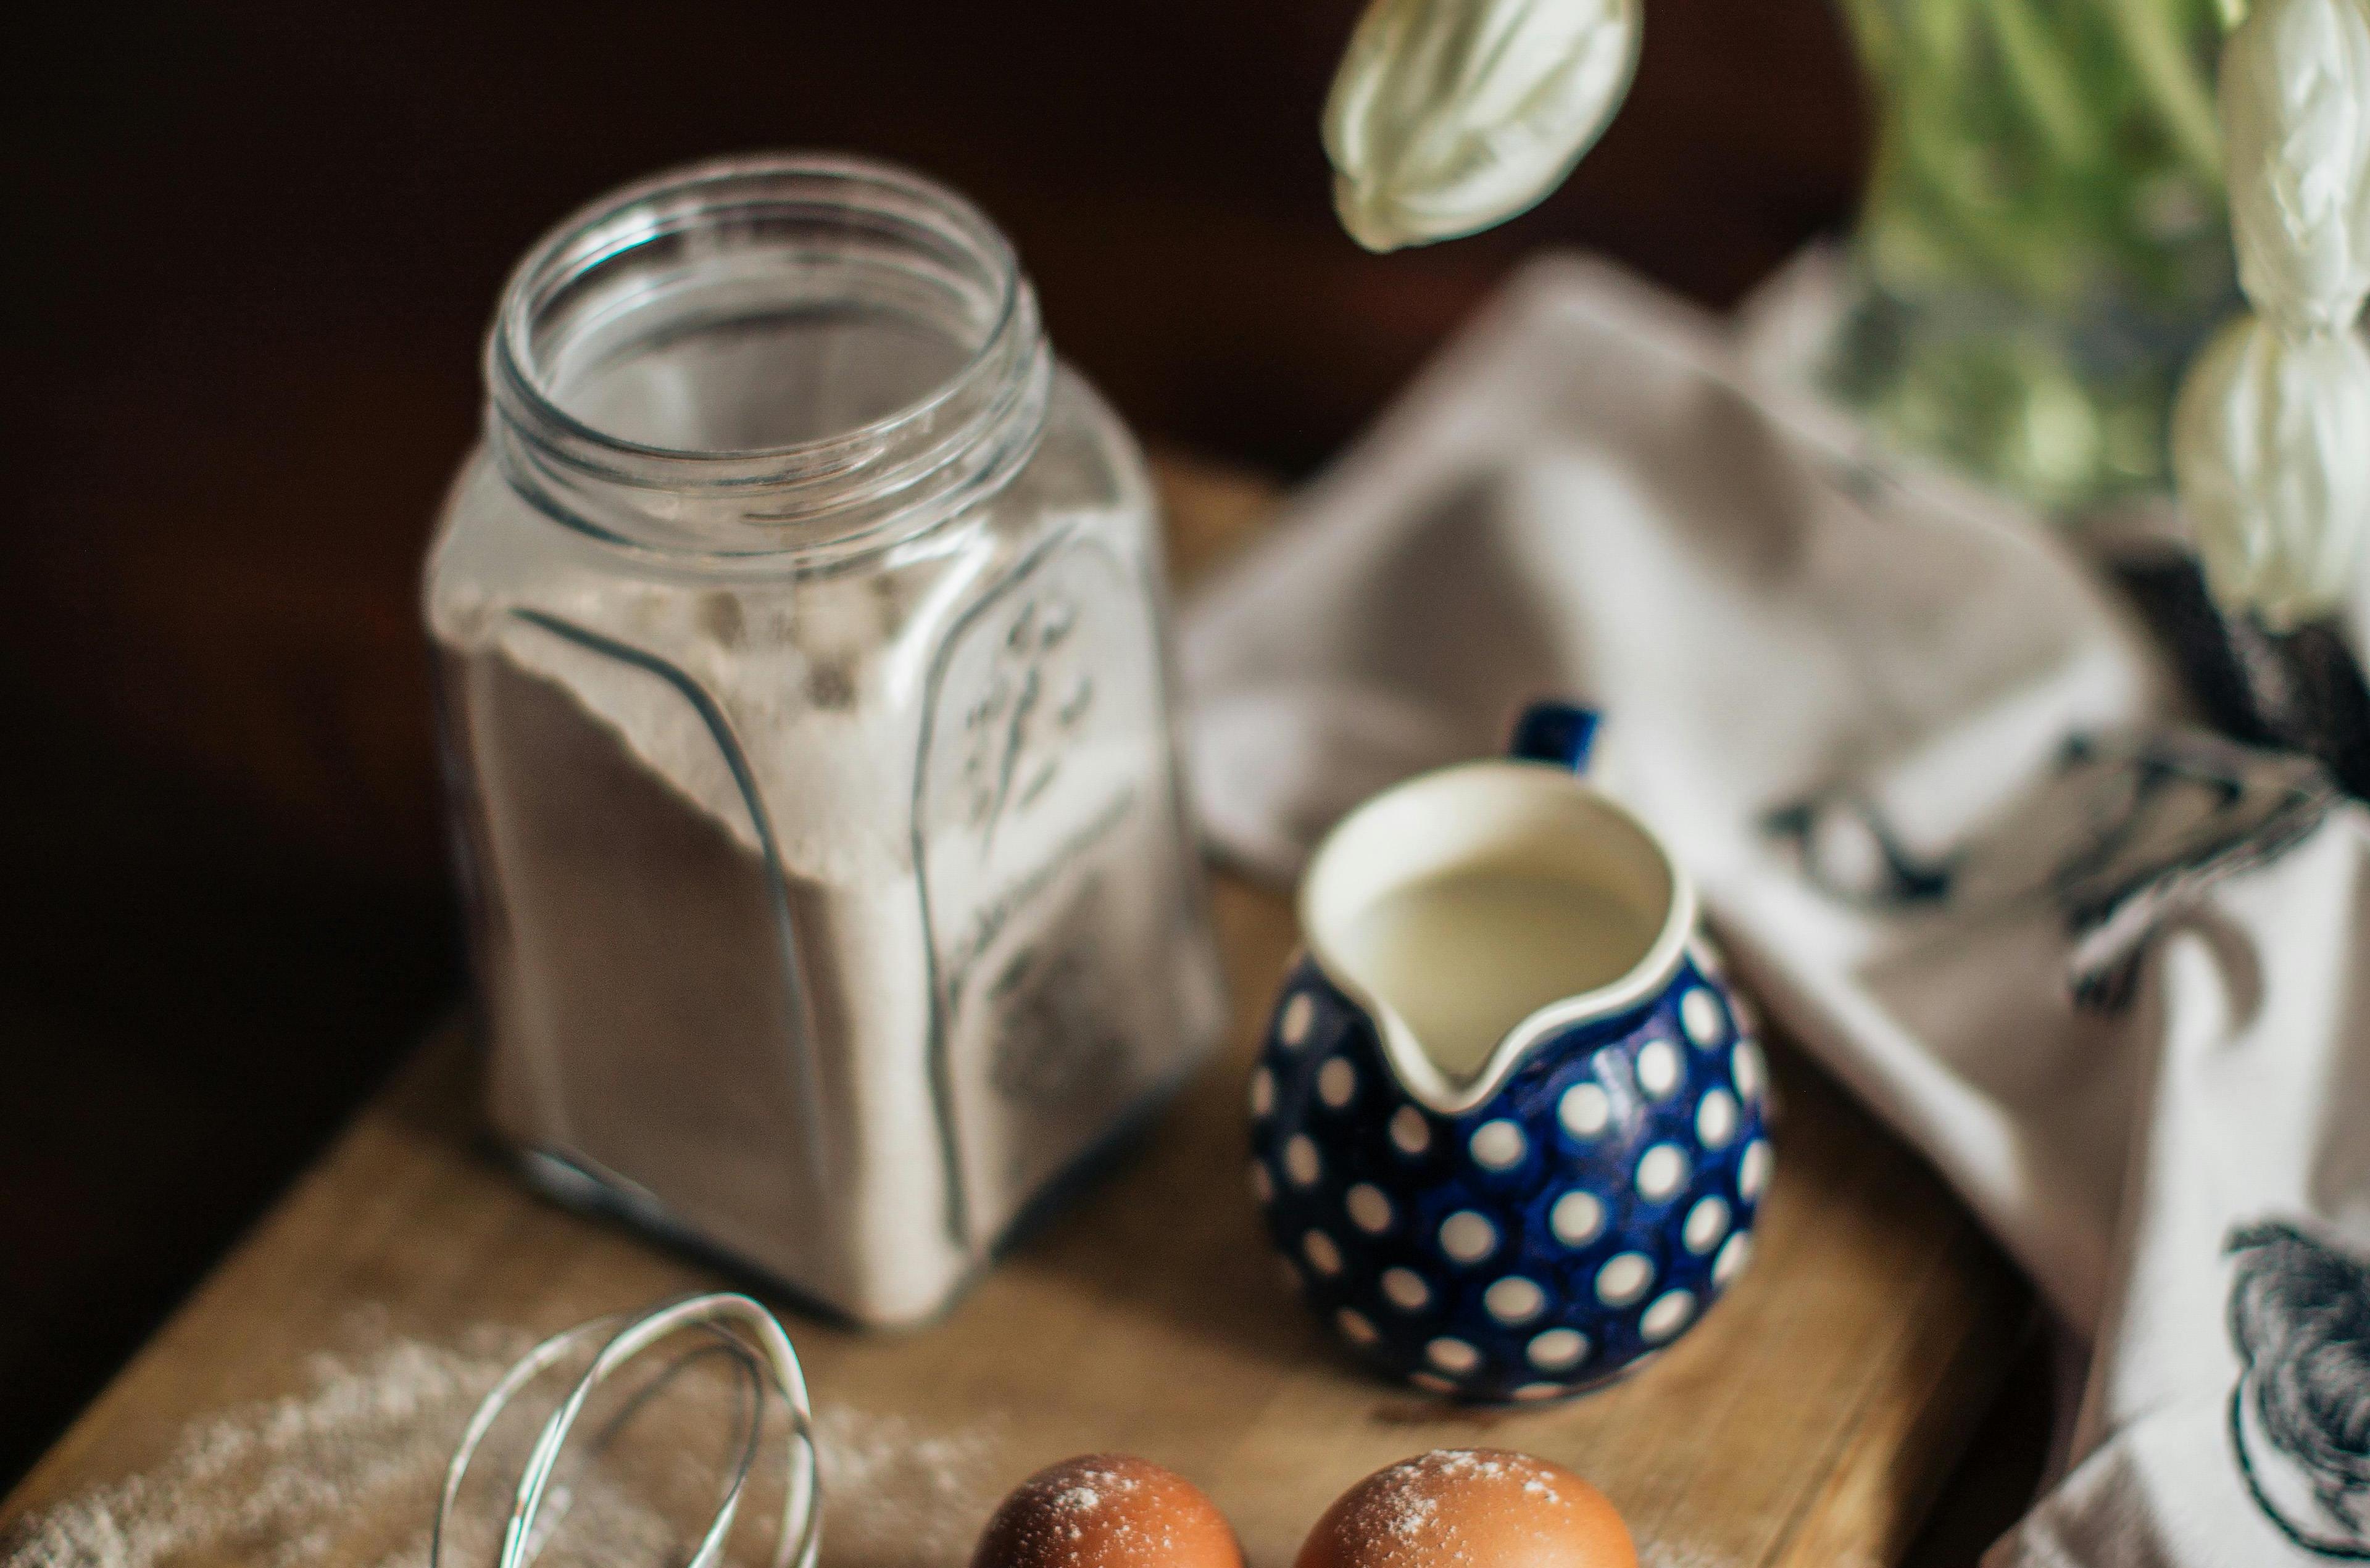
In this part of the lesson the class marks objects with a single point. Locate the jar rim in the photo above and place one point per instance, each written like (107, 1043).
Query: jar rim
(649, 247)
(606, 227)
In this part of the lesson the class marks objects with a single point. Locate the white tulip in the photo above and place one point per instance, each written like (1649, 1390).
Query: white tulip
(1448, 116)
(2270, 449)
(2296, 124)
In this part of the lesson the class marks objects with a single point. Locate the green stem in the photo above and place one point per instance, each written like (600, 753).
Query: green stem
(2030, 255)
(2166, 69)
(2043, 84)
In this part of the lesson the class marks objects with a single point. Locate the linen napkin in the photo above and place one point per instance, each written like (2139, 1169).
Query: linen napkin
(1947, 808)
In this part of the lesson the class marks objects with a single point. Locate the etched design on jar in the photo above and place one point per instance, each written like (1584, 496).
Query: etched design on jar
(1045, 824)
(1037, 694)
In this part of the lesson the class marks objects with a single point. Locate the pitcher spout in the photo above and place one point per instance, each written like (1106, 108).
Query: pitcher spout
(1478, 913)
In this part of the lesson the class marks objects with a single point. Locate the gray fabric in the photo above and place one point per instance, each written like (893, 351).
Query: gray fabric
(1947, 811)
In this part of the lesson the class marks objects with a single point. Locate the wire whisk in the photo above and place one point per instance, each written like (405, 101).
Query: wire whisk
(737, 1328)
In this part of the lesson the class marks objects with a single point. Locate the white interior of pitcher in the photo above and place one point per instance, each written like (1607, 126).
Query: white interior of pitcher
(1476, 911)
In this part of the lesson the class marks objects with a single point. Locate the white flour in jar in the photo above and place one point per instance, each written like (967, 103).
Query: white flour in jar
(722, 980)
(644, 950)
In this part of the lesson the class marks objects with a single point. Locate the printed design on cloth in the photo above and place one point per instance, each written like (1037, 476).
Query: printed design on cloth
(2122, 835)
(2300, 1413)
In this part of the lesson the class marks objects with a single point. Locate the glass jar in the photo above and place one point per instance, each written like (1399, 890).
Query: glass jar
(802, 641)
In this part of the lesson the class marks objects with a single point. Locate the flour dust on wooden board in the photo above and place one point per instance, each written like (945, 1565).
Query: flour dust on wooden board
(347, 1471)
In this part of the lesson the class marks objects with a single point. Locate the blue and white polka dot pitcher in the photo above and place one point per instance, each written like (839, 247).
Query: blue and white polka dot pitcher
(1507, 1124)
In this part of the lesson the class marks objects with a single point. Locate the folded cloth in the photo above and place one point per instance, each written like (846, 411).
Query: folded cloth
(1943, 802)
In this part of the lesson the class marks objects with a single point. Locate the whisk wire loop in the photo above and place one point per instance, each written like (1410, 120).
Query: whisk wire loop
(747, 1332)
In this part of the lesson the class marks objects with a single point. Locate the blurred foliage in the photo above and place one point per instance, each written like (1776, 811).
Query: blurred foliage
(2044, 239)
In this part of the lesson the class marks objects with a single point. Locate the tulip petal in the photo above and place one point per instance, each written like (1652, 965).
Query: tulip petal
(1448, 116)
(2271, 450)
(2295, 102)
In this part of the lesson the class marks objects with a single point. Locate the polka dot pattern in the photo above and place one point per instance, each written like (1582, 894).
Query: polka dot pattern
(1556, 1350)
(1499, 1145)
(1452, 1355)
(1659, 1071)
(1753, 1171)
(1624, 1278)
(1322, 1255)
(1585, 1110)
(1750, 1068)
(1703, 1017)
(1667, 1316)
(1337, 1082)
(1514, 1300)
(1577, 1218)
(1370, 1211)
(1467, 1237)
(1406, 1289)
(1299, 1014)
(1707, 1226)
(1715, 1118)
(1587, 1212)
(1661, 1171)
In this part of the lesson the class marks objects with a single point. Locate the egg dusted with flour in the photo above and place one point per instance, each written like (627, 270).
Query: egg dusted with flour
(1107, 1511)
(1470, 1508)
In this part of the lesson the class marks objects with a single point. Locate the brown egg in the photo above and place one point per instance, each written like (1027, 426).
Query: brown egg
(1470, 1508)
(1107, 1511)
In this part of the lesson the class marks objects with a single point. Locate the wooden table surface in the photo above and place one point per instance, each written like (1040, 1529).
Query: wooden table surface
(1808, 1421)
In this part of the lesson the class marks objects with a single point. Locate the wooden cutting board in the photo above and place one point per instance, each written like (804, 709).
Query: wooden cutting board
(1808, 1421)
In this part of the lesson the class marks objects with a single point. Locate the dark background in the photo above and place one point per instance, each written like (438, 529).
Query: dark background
(249, 251)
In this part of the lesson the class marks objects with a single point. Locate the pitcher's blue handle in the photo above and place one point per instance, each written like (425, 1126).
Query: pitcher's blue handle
(1560, 733)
